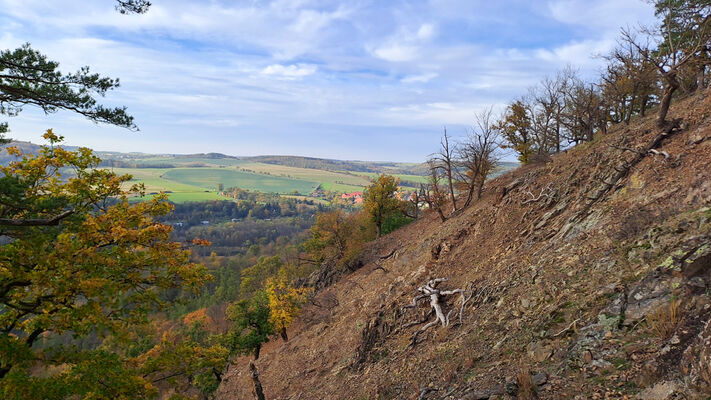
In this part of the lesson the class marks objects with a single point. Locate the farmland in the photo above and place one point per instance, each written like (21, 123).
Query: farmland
(197, 177)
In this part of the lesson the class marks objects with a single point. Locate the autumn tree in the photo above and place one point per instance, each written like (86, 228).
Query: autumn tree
(338, 236)
(629, 83)
(379, 200)
(285, 301)
(255, 277)
(584, 113)
(516, 128)
(78, 258)
(682, 39)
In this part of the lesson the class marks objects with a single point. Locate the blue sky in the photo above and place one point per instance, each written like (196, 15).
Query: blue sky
(359, 79)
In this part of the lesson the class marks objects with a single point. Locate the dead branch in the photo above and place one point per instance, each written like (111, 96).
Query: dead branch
(625, 148)
(435, 295)
(425, 391)
(546, 192)
(572, 325)
(380, 267)
(660, 153)
(390, 254)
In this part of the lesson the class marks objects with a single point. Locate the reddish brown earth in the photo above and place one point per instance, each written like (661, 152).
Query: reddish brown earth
(570, 297)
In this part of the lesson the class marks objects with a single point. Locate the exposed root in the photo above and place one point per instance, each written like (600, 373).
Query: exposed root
(546, 192)
(430, 291)
(660, 153)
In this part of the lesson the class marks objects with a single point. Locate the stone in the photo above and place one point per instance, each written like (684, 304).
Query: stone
(540, 379)
(660, 391)
(538, 352)
(698, 262)
(587, 356)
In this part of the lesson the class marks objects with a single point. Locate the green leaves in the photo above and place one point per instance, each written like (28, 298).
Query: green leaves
(27, 77)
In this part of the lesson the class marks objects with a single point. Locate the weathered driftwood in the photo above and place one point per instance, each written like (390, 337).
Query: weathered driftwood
(546, 192)
(435, 295)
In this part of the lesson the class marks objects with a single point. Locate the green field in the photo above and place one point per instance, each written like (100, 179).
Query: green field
(329, 180)
(199, 184)
(196, 178)
(402, 177)
(209, 178)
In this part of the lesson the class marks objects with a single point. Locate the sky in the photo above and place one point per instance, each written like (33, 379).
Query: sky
(358, 80)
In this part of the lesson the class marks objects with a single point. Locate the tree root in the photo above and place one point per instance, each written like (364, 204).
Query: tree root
(546, 192)
(435, 295)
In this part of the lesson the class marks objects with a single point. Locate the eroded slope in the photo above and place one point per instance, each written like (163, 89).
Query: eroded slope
(587, 276)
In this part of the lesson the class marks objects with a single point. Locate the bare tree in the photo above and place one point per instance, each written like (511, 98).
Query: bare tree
(445, 160)
(477, 155)
(433, 192)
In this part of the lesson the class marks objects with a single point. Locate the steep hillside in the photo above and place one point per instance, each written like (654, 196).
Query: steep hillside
(586, 277)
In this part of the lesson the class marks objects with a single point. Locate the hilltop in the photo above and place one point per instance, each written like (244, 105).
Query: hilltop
(584, 277)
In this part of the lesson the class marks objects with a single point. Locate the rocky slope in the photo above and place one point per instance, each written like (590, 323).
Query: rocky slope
(586, 277)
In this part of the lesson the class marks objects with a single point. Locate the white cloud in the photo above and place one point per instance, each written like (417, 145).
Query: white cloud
(225, 68)
(606, 15)
(290, 71)
(426, 31)
(396, 52)
(422, 78)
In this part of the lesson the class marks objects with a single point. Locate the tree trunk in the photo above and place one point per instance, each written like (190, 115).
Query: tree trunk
(284, 335)
(441, 214)
(258, 391)
(451, 188)
(672, 86)
(470, 195)
(256, 351)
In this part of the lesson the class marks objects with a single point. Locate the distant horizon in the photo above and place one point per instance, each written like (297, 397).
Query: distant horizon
(248, 156)
(328, 79)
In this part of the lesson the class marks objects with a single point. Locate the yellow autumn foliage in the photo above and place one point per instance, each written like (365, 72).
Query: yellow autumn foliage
(285, 301)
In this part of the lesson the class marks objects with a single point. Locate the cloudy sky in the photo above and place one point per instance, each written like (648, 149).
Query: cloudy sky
(357, 79)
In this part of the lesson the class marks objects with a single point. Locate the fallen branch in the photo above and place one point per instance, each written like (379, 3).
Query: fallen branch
(660, 153)
(430, 291)
(572, 325)
(546, 192)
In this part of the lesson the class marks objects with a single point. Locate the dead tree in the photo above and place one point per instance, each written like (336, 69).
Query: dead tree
(477, 154)
(432, 192)
(435, 295)
(445, 160)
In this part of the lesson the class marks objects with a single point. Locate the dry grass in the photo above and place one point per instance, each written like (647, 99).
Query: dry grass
(526, 389)
(663, 321)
